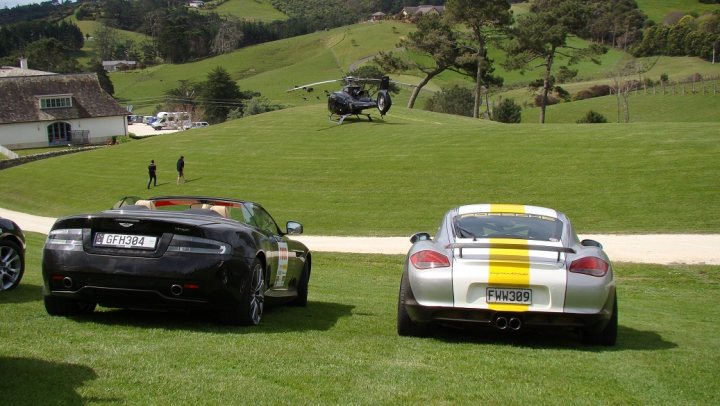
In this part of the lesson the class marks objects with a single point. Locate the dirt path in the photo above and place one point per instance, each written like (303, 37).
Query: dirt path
(650, 248)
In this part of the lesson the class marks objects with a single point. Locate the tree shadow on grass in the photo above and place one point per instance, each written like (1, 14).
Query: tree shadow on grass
(628, 339)
(27, 381)
(23, 293)
(318, 316)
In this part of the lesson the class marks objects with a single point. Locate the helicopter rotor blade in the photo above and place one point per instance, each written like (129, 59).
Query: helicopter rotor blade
(304, 87)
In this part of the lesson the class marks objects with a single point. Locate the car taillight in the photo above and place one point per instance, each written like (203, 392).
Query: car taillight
(197, 245)
(65, 239)
(590, 266)
(429, 259)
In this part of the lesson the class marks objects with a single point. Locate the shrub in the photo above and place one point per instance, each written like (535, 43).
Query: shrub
(551, 99)
(592, 117)
(593, 91)
(455, 100)
(507, 112)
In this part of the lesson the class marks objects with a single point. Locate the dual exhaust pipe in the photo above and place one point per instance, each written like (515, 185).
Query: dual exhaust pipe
(176, 289)
(503, 323)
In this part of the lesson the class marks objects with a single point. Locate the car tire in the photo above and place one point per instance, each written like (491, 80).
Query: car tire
(608, 335)
(249, 310)
(405, 325)
(12, 265)
(60, 306)
(302, 289)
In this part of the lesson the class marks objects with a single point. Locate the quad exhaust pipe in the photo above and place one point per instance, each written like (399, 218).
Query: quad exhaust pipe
(503, 323)
(67, 282)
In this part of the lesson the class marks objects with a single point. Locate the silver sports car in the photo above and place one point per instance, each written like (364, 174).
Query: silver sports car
(511, 267)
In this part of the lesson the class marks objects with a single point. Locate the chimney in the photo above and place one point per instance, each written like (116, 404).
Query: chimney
(23, 63)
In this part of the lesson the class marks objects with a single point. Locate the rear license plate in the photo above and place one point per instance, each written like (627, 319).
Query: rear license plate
(125, 241)
(507, 295)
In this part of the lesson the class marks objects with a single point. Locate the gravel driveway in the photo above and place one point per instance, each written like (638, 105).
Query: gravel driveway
(650, 248)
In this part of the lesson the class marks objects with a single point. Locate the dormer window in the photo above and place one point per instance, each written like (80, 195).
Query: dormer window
(56, 101)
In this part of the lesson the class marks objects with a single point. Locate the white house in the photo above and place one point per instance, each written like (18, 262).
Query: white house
(46, 110)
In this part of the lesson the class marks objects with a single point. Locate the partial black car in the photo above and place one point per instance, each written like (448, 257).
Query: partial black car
(222, 255)
(12, 254)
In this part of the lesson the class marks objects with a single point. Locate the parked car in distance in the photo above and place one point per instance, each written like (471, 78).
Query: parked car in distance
(510, 267)
(12, 254)
(224, 256)
(196, 124)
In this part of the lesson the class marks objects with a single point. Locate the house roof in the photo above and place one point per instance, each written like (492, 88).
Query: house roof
(20, 98)
(421, 10)
(6, 71)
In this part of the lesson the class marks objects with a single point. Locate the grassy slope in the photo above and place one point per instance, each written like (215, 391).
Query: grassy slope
(270, 68)
(398, 176)
(648, 108)
(254, 10)
(343, 349)
(658, 9)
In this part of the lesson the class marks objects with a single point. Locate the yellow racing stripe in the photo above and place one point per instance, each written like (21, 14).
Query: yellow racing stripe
(509, 268)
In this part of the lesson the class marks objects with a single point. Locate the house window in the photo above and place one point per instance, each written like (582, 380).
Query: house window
(58, 133)
(55, 102)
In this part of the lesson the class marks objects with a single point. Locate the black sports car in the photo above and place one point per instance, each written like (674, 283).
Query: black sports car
(12, 254)
(175, 252)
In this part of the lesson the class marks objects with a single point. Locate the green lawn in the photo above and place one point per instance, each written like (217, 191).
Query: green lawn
(398, 176)
(254, 10)
(668, 107)
(343, 349)
(658, 9)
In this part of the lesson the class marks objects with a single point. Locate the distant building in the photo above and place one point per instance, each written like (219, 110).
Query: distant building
(52, 109)
(413, 13)
(196, 4)
(112, 66)
(378, 16)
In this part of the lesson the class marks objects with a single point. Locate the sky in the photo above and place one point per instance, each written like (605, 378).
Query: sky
(13, 3)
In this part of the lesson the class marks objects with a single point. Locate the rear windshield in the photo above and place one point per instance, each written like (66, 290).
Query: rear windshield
(508, 225)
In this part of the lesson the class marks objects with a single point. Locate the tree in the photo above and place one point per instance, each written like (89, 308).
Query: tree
(507, 112)
(433, 38)
(455, 100)
(227, 38)
(625, 81)
(106, 40)
(542, 35)
(592, 117)
(485, 19)
(103, 78)
(51, 55)
(219, 94)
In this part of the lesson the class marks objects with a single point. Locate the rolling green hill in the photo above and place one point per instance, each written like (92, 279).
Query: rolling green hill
(253, 10)
(398, 176)
(658, 9)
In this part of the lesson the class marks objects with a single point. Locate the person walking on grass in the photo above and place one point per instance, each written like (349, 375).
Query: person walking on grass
(152, 170)
(181, 169)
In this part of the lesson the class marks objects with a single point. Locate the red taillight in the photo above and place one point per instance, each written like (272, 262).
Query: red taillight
(191, 286)
(429, 259)
(590, 266)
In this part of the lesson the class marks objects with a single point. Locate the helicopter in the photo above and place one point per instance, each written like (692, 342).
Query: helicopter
(352, 99)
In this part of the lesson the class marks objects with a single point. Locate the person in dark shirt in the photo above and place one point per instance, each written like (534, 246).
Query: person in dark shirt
(152, 169)
(181, 169)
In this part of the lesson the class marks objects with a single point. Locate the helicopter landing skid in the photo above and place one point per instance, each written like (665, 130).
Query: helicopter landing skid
(344, 116)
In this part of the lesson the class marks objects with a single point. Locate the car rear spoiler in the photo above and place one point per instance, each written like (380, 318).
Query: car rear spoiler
(509, 246)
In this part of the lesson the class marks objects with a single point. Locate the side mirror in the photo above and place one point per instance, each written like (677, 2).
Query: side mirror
(590, 243)
(293, 228)
(420, 237)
